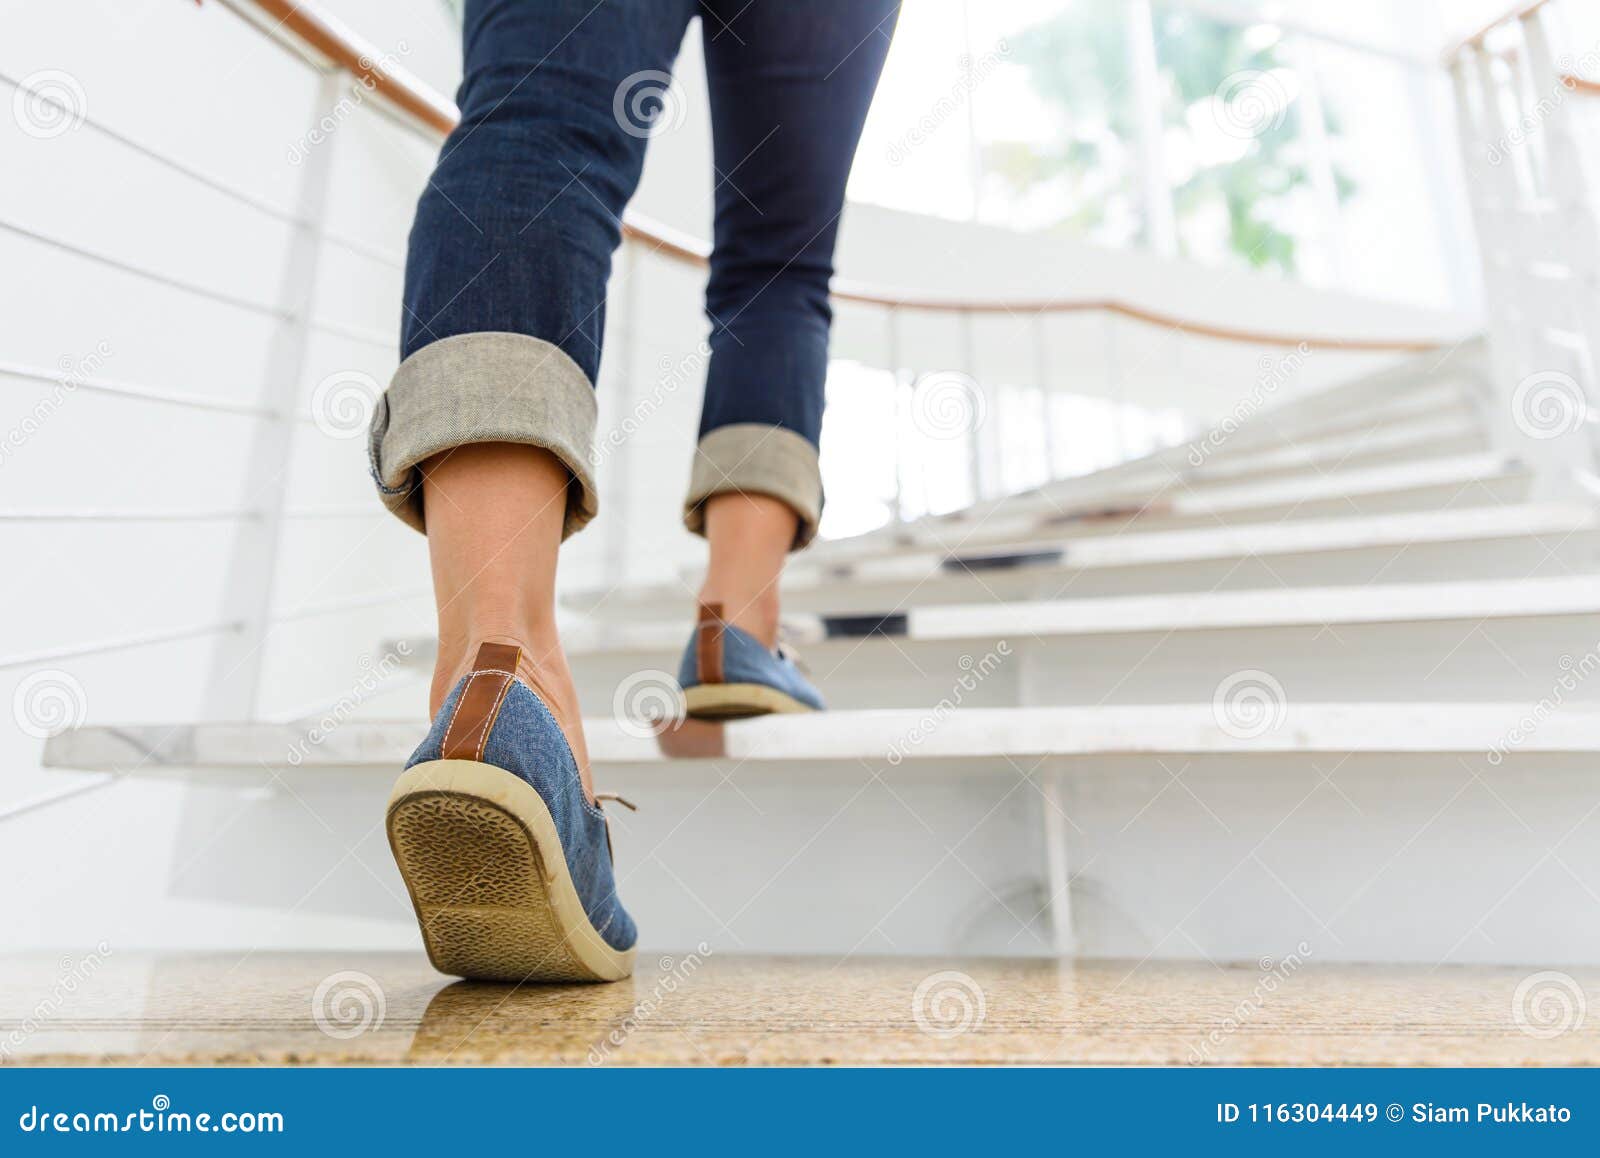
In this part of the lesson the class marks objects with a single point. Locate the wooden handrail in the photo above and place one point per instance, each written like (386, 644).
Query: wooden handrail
(308, 24)
(332, 40)
(1522, 10)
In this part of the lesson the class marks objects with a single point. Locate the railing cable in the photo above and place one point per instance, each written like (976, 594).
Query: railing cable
(95, 384)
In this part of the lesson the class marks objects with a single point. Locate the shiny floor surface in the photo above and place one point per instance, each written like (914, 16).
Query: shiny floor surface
(711, 1009)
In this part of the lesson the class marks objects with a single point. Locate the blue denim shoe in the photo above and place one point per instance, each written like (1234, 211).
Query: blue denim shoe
(508, 864)
(727, 673)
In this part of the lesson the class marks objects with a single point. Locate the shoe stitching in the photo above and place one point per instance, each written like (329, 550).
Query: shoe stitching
(493, 716)
(444, 744)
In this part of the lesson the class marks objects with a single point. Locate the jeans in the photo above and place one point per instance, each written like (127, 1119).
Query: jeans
(511, 248)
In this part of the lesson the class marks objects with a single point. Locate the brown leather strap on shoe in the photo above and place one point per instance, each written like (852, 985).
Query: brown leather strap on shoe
(708, 644)
(488, 684)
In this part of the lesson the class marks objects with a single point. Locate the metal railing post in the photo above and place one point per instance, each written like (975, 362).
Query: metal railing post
(234, 690)
(619, 400)
(1117, 386)
(1042, 376)
(1531, 198)
(1572, 182)
(977, 439)
(892, 343)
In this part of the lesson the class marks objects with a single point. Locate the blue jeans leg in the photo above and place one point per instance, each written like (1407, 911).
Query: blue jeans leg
(517, 226)
(511, 249)
(790, 87)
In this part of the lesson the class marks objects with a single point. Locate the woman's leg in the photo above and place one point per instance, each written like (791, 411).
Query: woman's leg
(749, 536)
(496, 511)
(790, 86)
(484, 437)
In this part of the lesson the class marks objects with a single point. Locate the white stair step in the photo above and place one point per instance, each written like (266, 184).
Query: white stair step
(1459, 659)
(1461, 641)
(1421, 438)
(1426, 435)
(1430, 436)
(1187, 611)
(980, 738)
(1211, 610)
(1518, 541)
(1288, 538)
(1329, 414)
(1481, 479)
(1264, 431)
(1300, 465)
(1421, 377)
(1334, 414)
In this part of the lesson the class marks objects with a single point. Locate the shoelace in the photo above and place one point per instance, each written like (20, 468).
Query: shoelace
(785, 650)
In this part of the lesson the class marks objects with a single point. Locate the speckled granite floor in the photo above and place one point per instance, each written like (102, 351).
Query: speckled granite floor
(725, 1010)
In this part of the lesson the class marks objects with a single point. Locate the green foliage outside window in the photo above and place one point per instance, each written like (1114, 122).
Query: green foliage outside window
(1079, 63)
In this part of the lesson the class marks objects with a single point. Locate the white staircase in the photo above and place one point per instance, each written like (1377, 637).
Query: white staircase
(1343, 627)
(1324, 680)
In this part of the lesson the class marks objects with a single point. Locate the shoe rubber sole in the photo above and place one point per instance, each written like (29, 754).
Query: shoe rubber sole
(733, 701)
(484, 866)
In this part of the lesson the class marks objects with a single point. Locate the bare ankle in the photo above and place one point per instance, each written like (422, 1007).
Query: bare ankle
(541, 666)
(750, 537)
(458, 648)
(756, 613)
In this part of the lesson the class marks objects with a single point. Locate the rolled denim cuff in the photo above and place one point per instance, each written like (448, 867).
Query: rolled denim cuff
(487, 387)
(755, 459)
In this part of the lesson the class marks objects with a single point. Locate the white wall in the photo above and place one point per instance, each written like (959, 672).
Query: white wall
(161, 282)
(162, 863)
